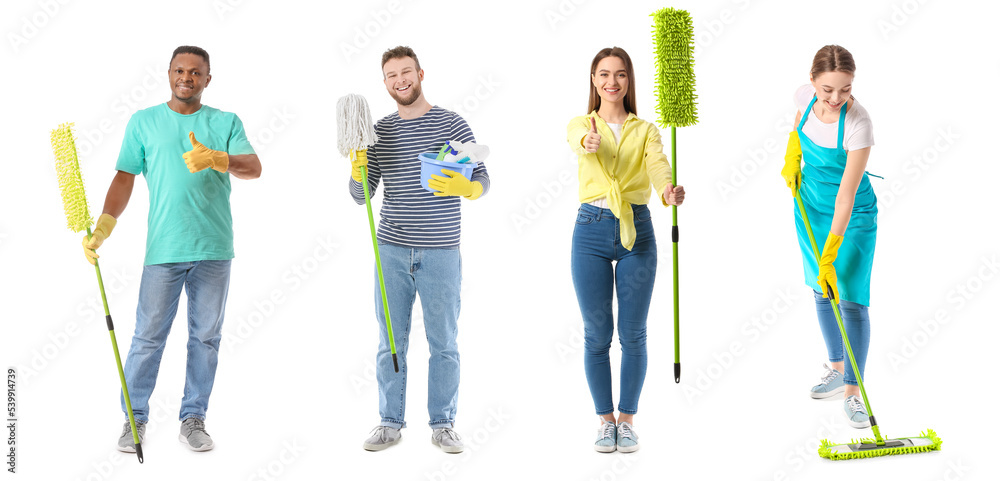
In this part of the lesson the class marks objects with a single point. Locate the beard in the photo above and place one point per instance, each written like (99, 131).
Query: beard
(414, 95)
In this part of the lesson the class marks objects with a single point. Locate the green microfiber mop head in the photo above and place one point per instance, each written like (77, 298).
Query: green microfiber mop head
(70, 181)
(673, 37)
(866, 448)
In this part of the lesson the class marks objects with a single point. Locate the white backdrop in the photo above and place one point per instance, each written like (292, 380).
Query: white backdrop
(295, 393)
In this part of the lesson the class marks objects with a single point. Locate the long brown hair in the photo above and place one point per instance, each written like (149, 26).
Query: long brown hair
(595, 98)
(832, 58)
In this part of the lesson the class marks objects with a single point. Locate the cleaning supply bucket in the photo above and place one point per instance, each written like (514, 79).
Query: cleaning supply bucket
(430, 166)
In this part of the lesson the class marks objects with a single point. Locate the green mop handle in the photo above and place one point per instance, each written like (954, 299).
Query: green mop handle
(674, 234)
(378, 266)
(118, 359)
(840, 323)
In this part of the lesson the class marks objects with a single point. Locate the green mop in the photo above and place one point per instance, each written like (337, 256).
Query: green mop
(355, 133)
(673, 37)
(864, 448)
(78, 218)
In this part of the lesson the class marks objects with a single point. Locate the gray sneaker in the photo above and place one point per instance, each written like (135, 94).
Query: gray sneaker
(194, 436)
(126, 443)
(448, 440)
(382, 437)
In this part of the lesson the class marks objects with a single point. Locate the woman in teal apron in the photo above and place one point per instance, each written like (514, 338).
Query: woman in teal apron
(840, 203)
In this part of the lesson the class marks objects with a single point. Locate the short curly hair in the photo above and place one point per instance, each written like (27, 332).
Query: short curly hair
(400, 52)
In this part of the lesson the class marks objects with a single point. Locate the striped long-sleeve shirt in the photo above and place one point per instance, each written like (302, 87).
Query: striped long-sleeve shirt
(410, 215)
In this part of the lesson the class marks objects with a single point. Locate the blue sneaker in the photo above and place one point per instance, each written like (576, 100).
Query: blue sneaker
(856, 415)
(605, 438)
(628, 440)
(831, 384)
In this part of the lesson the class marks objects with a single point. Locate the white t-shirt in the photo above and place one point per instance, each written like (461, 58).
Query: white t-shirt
(857, 125)
(617, 130)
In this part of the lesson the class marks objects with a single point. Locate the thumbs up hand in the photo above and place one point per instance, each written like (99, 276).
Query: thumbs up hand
(593, 139)
(201, 157)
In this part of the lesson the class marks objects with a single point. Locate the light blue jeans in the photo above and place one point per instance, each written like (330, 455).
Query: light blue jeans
(858, 329)
(601, 266)
(207, 286)
(436, 276)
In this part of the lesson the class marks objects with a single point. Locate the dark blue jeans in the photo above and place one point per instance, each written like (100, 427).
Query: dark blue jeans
(600, 264)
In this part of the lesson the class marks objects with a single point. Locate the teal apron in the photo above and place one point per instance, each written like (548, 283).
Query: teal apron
(821, 174)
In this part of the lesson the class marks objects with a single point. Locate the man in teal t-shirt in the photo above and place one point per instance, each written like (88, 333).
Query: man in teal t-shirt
(186, 151)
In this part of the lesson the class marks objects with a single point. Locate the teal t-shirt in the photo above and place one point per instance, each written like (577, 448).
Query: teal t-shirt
(189, 214)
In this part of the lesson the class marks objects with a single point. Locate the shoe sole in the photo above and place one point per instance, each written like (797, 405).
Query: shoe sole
(450, 449)
(628, 449)
(855, 424)
(379, 447)
(604, 449)
(130, 449)
(824, 395)
(183, 440)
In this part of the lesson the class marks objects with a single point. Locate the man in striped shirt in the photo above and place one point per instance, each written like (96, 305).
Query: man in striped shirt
(418, 238)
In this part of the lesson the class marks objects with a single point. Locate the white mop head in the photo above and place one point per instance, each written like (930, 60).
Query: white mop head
(355, 129)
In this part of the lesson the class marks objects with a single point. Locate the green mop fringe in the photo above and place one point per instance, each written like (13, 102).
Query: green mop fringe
(824, 449)
(673, 39)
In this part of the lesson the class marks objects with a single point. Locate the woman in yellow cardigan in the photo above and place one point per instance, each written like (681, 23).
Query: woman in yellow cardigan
(613, 242)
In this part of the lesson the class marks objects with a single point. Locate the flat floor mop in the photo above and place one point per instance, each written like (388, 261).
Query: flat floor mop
(355, 133)
(78, 218)
(673, 37)
(864, 448)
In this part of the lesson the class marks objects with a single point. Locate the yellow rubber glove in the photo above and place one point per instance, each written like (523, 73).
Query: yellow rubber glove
(361, 159)
(455, 185)
(827, 274)
(792, 171)
(105, 224)
(200, 157)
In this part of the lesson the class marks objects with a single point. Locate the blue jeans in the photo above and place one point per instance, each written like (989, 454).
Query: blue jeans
(436, 275)
(207, 286)
(858, 329)
(596, 250)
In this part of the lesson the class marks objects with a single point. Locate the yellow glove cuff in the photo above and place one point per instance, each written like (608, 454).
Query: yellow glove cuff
(221, 163)
(793, 152)
(477, 190)
(105, 224)
(833, 242)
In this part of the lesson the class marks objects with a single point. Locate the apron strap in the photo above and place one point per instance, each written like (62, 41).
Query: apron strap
(806, 113)
(840, 128)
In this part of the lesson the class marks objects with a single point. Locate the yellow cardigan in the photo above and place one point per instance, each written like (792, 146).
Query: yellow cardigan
(622, 171)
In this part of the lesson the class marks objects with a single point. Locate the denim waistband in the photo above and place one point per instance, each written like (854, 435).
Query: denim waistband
(599, 212)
